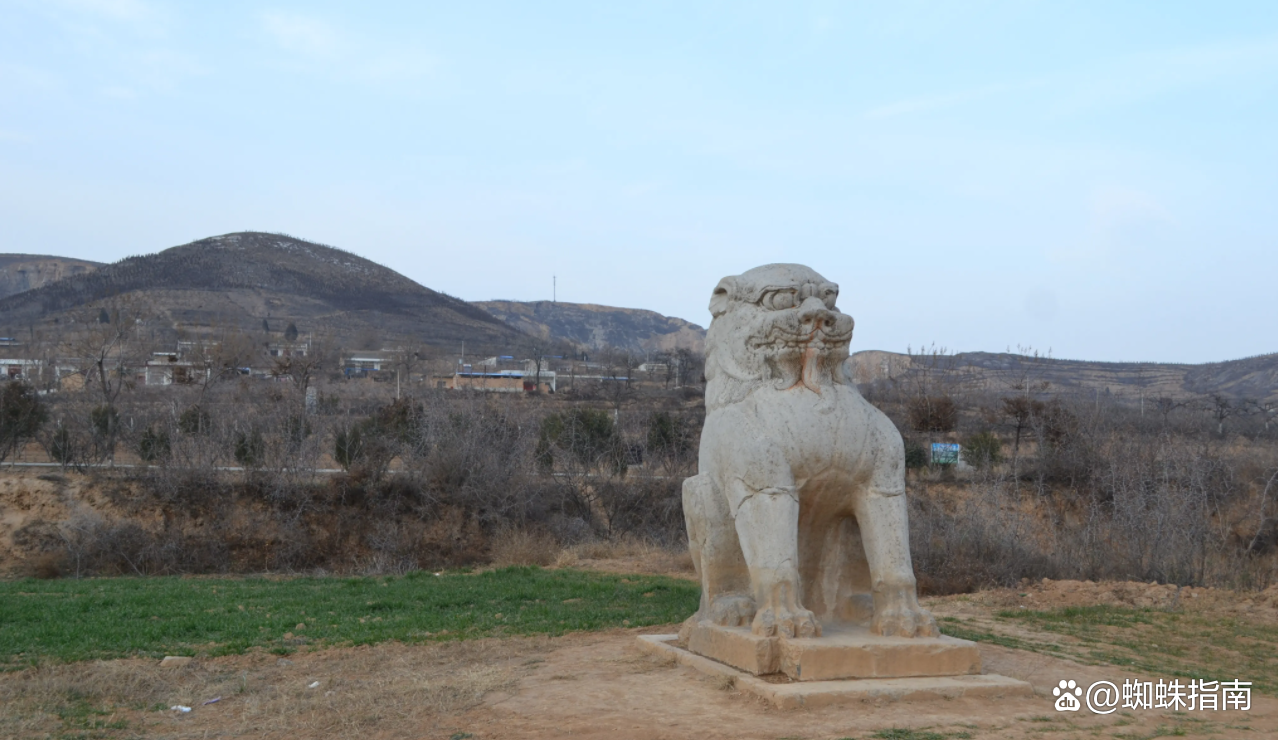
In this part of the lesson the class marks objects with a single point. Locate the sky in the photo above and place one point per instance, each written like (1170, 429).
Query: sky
(1097, 180)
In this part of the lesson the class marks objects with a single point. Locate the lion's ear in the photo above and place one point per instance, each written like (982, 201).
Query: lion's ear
(722, 296)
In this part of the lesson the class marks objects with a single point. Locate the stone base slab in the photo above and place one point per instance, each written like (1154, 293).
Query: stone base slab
(841, 652)
(793, 695)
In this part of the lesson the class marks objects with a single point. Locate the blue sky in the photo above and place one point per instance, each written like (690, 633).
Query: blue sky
(1097, 179)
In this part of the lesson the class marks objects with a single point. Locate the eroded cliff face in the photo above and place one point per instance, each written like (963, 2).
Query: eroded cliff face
(595, 327)
(22, 272)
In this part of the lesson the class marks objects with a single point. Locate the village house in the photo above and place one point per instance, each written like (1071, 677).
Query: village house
(503, 381)
(167, 368)
(18, 369)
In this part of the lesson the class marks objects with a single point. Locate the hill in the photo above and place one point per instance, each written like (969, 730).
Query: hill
(243, 280)
(591, 326)
(22, 272)
(1253, 378)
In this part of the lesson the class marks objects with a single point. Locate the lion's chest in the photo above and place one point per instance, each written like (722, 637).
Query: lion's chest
(822, 437)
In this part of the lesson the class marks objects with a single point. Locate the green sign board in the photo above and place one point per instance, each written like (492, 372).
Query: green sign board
(945, 453)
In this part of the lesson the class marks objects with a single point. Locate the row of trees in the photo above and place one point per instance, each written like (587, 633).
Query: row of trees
(1069, 484)
(426, 480)
(1065, 484)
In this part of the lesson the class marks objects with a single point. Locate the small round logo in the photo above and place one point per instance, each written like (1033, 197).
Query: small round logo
(1067, 693)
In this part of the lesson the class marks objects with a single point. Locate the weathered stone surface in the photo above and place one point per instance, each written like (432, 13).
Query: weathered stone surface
(858, 653)
(739, 647)
(797, 515)
(812, 694)
(844, 651)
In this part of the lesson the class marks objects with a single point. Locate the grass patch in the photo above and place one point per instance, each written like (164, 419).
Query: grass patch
(102, 618)
(963, 630)
(904, 734)
(1160, 644)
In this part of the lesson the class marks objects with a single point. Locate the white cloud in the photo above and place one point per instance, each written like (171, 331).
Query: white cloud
(1118, 81)
(18, 136)
(128, 10)
(1121, 222)
(1137, 77)
(344, 55)
(936, 102)
(86, 16)
(302, 34)
(22, 76)
(119, 92)
(1113, 207)
(396, 66)
(1040, 304)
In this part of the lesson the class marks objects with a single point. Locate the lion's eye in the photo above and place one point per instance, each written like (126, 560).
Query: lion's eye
(779, 300)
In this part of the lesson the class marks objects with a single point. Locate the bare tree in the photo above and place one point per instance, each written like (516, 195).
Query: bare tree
(21, 415)
(220, 356)
(303, 367)
(1220, 409)
(617, 384)
(104, 344)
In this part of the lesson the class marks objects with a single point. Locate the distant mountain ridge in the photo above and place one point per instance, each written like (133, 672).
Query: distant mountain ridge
(245, 278)
(1253, 378)
(23, 272)
(592, 326)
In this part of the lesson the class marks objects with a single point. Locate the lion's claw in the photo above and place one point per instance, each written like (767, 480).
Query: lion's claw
(783, 622)
(732, 610)
(905, 622)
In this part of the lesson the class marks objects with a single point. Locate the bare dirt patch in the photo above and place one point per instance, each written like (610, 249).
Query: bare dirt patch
(615, 692)
(388, 690)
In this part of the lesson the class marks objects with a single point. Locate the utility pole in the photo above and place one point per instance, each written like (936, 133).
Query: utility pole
(537, 382)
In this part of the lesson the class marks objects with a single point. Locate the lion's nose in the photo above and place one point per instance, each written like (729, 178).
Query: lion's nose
(813, 311)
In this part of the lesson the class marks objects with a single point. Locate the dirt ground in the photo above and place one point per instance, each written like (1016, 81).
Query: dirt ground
(598, 685)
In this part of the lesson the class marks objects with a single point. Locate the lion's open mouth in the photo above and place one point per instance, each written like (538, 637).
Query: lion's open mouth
(802, 358)
(779, 341)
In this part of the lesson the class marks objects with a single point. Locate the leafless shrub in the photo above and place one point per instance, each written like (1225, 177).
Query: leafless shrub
(524, 547)
(1107, 499)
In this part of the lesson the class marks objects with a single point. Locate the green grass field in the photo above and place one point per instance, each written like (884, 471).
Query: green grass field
(68, 620)
(1157, 643)
(1161, 643)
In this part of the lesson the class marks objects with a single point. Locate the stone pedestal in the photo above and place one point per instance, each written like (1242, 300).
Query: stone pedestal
(784, 692)
(842, 652)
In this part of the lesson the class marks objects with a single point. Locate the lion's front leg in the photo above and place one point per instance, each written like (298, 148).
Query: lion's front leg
(884, 523)
(767, 524)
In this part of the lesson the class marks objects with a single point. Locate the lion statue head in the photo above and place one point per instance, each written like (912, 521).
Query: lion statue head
(774, 324)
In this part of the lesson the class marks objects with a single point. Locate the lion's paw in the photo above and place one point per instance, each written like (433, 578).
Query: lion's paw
(783, 622)
(905, 621)
(732, 611)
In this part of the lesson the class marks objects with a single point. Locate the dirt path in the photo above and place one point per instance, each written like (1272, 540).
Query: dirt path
(604, 688)
(582, 686)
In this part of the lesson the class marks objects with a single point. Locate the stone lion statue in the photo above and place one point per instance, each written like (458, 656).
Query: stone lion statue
(797, 515)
